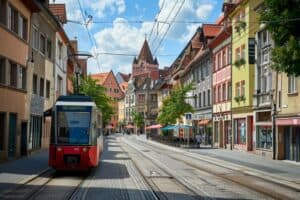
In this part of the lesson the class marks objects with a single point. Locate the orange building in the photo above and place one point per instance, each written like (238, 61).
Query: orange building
(109, 81)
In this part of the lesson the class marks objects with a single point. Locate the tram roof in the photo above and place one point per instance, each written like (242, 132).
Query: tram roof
(75, 98)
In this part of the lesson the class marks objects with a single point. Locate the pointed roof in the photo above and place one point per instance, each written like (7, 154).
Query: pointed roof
(100, 77)
(145, 53)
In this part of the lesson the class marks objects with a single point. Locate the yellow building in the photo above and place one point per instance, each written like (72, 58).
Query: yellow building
(242, 17)
(287, 118)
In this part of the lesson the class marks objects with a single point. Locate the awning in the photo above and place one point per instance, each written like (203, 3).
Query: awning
(169, 127)
(183, 126)
(204, 122)
(109, 127)
(129, 126)
(156, 126)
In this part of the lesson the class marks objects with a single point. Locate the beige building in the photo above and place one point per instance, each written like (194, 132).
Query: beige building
(15, 23)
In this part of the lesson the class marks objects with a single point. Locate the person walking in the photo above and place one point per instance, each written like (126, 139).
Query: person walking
(199, 140)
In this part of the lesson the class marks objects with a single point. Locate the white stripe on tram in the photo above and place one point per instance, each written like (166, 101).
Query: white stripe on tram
(66, 103)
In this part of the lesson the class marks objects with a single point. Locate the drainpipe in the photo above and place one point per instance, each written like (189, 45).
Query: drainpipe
(274, 111)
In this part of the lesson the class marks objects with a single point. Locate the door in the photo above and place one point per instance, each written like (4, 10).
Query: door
(24, 139)
(287, 143)
(250, 133)
(12, 135)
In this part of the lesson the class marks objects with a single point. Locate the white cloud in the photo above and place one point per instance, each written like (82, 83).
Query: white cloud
(204, 10)
(101, 8)
(122, 37)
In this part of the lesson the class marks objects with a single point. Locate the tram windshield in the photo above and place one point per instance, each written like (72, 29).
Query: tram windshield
(73, 124)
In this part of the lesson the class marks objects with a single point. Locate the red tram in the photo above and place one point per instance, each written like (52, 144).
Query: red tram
(76, 135)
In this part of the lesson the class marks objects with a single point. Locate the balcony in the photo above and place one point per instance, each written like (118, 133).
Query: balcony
(262, 100)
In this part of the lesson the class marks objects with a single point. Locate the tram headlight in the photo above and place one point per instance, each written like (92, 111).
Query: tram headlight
(85, 149)
(59, 149)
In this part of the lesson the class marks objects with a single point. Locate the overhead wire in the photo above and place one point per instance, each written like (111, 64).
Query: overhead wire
(169, 27)
(92, 40)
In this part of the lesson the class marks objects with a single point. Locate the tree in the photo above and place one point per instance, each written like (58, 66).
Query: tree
(174, 106)
(138, 119)
(282, 20)
(89, 87)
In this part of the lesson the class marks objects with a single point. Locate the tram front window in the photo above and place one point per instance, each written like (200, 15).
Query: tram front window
(73, 127)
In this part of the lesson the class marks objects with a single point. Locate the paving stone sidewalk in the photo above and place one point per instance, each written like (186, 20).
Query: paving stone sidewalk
(18, 171)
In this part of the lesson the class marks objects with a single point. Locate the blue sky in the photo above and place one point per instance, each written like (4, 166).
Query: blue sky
(121, 36)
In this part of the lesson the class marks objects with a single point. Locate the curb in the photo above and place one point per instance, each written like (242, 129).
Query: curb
(246, 170)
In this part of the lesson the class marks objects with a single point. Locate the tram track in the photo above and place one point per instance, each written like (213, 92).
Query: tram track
(47, 184)
(153, 176)
(258, 184)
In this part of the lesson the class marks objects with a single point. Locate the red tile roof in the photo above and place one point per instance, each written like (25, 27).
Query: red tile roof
(211, 30)
(59, 10)
(100, 77)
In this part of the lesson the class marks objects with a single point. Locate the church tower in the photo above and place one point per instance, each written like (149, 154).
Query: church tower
(145, 65)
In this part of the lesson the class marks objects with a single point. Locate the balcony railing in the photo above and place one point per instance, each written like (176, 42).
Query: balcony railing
(262, 99)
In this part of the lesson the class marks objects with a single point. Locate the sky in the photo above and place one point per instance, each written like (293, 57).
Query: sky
(109, 27)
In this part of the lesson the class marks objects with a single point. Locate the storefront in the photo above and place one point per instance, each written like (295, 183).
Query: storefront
(289, 136)
(205, 130)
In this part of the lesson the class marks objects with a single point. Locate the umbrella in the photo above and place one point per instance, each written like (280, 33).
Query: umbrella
(156, 126)
(129, 126)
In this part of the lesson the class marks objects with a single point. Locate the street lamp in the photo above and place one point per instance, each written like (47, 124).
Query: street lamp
(78, 71)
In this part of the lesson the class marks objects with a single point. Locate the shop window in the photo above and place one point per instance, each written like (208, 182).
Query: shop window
(264, 137)
(240, 131)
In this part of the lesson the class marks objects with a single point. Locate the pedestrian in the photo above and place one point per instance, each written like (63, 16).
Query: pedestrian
(199, 140)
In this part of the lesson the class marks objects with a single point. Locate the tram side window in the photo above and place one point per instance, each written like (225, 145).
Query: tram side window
(73, 127)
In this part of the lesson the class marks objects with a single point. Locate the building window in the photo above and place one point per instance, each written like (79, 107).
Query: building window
(13, 74)
(59, 86)
(204, 99)
(200, 103)
(240, 131)
(47, 89)
(292, 87)
(23, 77)
(220, 94)
(2, 132)
(41, 87)
(237, 89)
(208, 98)
(242, 88)
(237, 54)
(3, 7)
(224, 57)
(229, 91)
(264, 137)
(229, 55)
(195, 101)
(35, 38)
(34, 84)
(219, 61)
(243, 52)
(49, 48)
(23, 28)
(141, 98)
(224, 92)
(13, 17)
(2, 70)
(42, 44)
